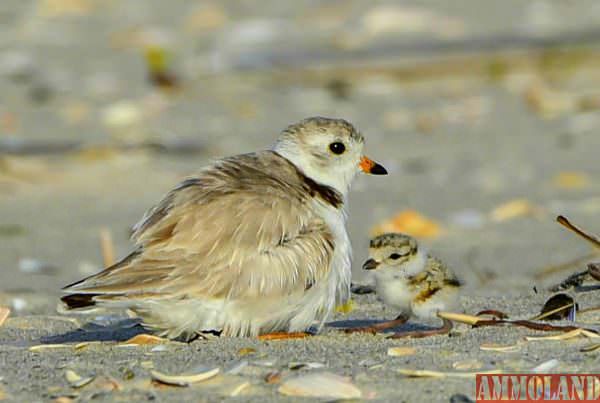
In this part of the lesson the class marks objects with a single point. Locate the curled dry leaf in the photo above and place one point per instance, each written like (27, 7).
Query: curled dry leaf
(183, 379)
(322, 384)
(4, 313)
(411, 223)
(75, 380)
(400, 351)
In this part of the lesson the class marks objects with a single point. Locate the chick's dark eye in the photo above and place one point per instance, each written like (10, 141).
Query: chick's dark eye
(337, 148)
(395, 256)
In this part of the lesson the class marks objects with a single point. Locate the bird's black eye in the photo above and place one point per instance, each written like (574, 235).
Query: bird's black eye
(337, 148)
(395, 256)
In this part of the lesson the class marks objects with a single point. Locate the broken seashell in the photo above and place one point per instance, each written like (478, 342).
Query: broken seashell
(184, 379)
(467, 365)
(42, 347)
(309, 365)
(239, 389)
(322, 384)
(511, 348)
(75, 380)
(400, 351)
(545, 366)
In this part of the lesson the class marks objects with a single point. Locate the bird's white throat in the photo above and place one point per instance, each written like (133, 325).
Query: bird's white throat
(339, 179)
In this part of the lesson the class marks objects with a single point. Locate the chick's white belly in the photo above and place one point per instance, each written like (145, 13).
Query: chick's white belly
(394, 292)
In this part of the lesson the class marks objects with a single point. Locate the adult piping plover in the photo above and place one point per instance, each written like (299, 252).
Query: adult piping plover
(408, 279)
(253, 244)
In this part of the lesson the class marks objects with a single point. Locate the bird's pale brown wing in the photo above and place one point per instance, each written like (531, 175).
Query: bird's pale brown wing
(233, 231)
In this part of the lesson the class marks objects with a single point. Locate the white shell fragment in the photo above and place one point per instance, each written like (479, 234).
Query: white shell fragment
(322, 384)
(184, 379)
(401, 351)
(75, 380)
(545, 366)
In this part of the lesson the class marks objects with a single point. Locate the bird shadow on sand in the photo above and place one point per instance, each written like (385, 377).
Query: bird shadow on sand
(355, 323)
(122, 330)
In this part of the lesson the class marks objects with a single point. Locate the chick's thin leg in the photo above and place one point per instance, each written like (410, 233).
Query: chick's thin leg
(379, 327)
(445, 329)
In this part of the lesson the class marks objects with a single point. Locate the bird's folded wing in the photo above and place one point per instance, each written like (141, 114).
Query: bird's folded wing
(203, 240)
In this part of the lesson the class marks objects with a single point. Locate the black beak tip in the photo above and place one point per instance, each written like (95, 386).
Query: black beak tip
(370, 264)
(378, 170)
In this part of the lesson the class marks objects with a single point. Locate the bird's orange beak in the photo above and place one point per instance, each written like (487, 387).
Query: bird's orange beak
(371, 167)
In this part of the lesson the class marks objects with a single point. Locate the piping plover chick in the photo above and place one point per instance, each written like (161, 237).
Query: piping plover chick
(253, 244)
(411, 281)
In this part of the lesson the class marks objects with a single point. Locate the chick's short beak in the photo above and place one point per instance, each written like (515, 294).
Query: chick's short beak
(371, 167)
(370, 264)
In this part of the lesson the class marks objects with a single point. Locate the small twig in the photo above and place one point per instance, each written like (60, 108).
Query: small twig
(107, 247)
(492, 312)
(530, 325)
(553, 311)
(588, 237)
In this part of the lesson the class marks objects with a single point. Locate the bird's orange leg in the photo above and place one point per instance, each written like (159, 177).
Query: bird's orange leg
(379, 327)
(283, 336)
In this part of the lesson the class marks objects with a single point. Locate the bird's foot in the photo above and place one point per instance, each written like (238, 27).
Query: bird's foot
(379, 327)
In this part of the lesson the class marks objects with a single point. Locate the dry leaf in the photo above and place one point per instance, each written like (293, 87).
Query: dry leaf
(409, 222)
(4, 313)
(571, 180)
(184, 379)
(400, 351)
(145, 339)
(510, 348)
(322, 384)
(513, 209)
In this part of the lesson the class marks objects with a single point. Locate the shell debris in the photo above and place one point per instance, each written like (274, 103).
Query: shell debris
(401, 351)
(322, 384)
(4, 313)
(77, 381)
(184, 379)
